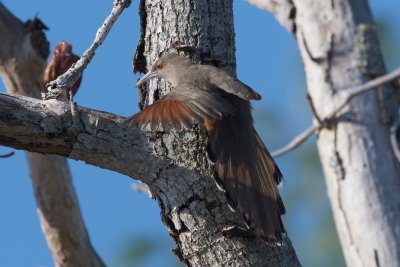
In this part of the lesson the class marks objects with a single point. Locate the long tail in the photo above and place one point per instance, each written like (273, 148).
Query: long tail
(247, 172)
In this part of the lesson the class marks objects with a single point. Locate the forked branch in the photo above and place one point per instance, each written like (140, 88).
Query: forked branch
(346, 96)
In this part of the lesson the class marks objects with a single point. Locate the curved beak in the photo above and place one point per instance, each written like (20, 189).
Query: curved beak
(146, 77)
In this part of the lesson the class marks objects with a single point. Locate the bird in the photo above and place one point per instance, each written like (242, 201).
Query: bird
(244, 169)
(61, 60)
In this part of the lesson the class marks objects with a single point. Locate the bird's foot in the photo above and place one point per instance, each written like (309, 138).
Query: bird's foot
(196, 53)
(186, 48)
(235, 231)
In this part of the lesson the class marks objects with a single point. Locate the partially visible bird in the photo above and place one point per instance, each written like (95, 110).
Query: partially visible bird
(61, 60)
(211, 98)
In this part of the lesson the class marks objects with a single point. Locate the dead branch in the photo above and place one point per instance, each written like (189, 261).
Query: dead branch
(346, 95)
(72, 75)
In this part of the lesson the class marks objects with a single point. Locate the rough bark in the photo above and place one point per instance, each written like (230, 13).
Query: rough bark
(99, 138)
(339, 47)
(23, 52)
(191, 206)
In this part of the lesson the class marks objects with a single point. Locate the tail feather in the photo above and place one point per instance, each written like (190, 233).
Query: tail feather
(248, 173)
(278, 177)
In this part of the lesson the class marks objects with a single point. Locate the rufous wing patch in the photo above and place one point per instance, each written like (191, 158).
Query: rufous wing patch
(164, 115)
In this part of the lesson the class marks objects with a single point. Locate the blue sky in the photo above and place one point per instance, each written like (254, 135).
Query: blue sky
(114, 214)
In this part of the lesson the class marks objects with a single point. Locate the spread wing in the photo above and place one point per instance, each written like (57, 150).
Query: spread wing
(184, 106)
(229, 84)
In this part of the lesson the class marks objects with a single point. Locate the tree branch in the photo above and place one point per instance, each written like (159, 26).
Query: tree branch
(296, 142)
(7, 155)
(46, 126)
(346, 95)
(72, 75)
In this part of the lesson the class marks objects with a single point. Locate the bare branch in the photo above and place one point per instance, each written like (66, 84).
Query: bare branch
(7, 155)
(76, 70)
(347, 95)
(296, 142)
(373, 84)
(45, 126)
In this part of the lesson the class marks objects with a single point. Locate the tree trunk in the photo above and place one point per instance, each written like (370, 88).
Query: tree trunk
(339, 47)
(23, 52)
(191, 206)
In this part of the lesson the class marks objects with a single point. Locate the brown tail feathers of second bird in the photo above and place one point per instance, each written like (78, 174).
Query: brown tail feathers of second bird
(61, 60)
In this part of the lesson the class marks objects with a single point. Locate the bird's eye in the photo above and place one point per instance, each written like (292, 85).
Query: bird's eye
(67, 54)
(159, 65)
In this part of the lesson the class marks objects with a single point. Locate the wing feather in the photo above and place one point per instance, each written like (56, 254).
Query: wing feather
(156, 116)
(227, 83)
(184, 106)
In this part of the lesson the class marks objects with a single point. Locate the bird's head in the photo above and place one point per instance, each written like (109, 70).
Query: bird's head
(63, 49)
(169, 67)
